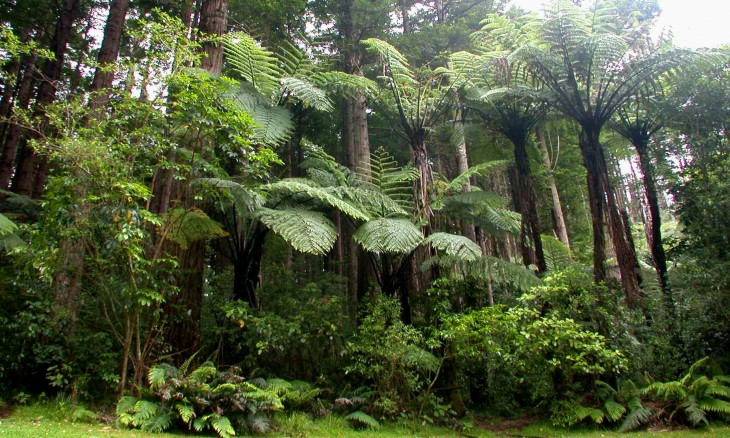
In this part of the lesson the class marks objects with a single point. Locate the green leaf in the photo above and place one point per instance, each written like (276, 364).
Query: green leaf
(186, 412)
(304, 187)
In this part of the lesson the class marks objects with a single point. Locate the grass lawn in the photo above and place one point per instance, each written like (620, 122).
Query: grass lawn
(49, 421)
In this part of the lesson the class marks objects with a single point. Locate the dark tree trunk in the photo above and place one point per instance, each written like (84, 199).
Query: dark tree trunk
(530, 239)
(423, 183)
(247, 268)
(602, 200)
(655, 223)
(28, 167)
(14, 131)
(108, 53)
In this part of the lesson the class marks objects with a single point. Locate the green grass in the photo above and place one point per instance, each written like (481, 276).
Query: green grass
(53, 420)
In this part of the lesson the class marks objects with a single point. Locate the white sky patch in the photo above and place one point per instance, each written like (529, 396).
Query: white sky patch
(694, 23)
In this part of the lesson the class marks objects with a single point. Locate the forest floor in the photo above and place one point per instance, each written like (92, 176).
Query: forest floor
(37, 421)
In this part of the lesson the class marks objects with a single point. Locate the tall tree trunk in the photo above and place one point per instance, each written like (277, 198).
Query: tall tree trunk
(603, 201)
(108, 53)
(27, 171)
(404, 6)
(561, 230)
(14, 131)
(183, 332)
(462, 165)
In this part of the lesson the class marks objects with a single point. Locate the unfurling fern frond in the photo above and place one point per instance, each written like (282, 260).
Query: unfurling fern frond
(388, 235)
(305, 230)
(363, 419)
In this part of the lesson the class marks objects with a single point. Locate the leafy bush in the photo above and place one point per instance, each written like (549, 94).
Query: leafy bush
(392, 356)
(205, 398)
(531, 357)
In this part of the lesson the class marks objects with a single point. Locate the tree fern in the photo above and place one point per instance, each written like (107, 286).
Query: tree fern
(303, 187)
(388, 235)
(307, 92)
(305, 230)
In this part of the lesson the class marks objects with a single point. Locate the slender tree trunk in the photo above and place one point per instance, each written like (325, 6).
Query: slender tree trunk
(462, 164)
(655, 229)
(423, 183)
(561, 230)
(404, 6)
(596, 201)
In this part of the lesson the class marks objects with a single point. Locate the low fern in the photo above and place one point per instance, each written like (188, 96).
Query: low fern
(204, 399)
(360, 418)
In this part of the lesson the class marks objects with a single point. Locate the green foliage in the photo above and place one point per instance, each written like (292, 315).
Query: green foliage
(702, 392)
(186, 226)
(206, 398)
(391, 355)
(363, 419)
(540, 357)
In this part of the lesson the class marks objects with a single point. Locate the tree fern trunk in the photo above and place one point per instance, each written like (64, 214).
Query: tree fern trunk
(530, 239)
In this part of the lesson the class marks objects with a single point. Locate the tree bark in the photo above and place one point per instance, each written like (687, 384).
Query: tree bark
(530, 239)
(213, 22)
(462, 165)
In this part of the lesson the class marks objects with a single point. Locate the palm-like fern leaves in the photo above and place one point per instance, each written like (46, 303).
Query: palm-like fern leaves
(388, 235)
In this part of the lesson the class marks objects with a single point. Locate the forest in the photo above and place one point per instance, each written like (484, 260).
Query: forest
(238, 217)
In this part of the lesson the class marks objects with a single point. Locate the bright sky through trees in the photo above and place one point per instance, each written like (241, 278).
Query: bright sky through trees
(695, 24)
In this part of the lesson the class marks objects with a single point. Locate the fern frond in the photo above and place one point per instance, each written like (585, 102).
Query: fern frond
(159, 423)
(583, 412)
(614, 410)
(714, 405)
(635, 419)
(7, 227)
(305, 230)
(185, 226)
(222, 426)
(187, 413)
(479, 169)
(306, 92)
(295, 186)
(388, 235)
(557, 255)
(695, 413)
(158, 375)
(278, 386)
(363, 419)
(252, 63)
(391, 57)
(204, 373)
(455, 245)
